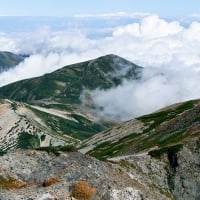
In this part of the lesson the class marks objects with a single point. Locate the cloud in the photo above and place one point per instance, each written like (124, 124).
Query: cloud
(153, 91)
(6, 43)
(150, 27)
(114, 15)
(168, 50)
(38, 64)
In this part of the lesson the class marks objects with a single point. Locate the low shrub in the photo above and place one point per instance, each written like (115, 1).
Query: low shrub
(57, 149)
(10, 183)
(82, 191)
(169, 150)
(50, 181)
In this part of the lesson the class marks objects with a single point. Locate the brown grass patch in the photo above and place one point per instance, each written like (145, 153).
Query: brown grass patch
(10, 183)
(82, 191)
(50, 181)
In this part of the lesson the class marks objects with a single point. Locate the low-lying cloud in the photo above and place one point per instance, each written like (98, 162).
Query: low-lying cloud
(168, 50)
(153, 91)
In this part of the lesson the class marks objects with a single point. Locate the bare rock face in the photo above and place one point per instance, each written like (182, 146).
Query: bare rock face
(177, 175)
(46, 176)
(185, 180)
(40, 176)
(126, 193)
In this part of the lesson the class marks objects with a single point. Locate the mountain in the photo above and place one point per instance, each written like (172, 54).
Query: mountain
(48, 109)
(159, 150)
(9, 60)
(39, 175)
(66, 84)
(151, 133)
(153, 157)
(52, 146)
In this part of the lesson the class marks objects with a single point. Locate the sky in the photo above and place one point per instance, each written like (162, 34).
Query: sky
(161, 36)
(167, 8)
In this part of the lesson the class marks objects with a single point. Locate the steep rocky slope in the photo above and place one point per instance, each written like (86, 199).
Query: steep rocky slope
(161, 149)
(28, 177)
(153, 133)
(40, 175)
(28, 126)
(156, 156)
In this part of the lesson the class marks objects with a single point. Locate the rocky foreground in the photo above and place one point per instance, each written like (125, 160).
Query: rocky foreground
(31, 175)
(38, 175)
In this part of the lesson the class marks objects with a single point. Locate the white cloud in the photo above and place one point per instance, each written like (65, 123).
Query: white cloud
(154, 91)
(150, 27)
(114, 15)
(192, 33)
(159, 45)
(6, 43)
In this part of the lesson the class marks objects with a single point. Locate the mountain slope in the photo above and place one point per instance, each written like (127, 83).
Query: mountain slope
(66, 85)
(159, 150)
(36, 175)
(9, 60)
(152, 133)
(50, 107)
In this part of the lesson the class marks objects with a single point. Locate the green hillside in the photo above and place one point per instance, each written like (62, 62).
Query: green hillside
(65, 85)
(51, 104)
(9, 60)
(159, 132)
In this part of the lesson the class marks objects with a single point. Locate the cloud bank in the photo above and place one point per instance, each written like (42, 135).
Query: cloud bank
(168, 50)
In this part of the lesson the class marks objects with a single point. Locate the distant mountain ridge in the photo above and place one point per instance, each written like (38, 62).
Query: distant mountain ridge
(9, 60)
(66, 84)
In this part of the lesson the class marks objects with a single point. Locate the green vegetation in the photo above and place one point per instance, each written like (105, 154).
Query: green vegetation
(165, 128)
(28, 141)
(57, 149)
(111, 149)
(66, 85)
(81, 129)
(155, 119)
(13, 106)
(63, 88)
(169, 149)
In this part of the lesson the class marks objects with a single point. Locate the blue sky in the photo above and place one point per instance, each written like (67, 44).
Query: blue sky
(167, 8)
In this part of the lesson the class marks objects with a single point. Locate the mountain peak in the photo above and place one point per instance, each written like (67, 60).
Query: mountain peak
(67, 83)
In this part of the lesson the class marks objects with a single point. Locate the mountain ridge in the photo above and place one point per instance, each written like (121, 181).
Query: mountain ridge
(51, 104)
(71, 80)
(168, 126)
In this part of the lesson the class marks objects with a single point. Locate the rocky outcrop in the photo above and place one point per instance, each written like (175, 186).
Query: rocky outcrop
(46, 176)
(127, 193)
(185, 179)
(39, 175)
(178, 178)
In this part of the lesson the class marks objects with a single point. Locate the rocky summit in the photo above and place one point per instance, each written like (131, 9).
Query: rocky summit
(52, 147)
